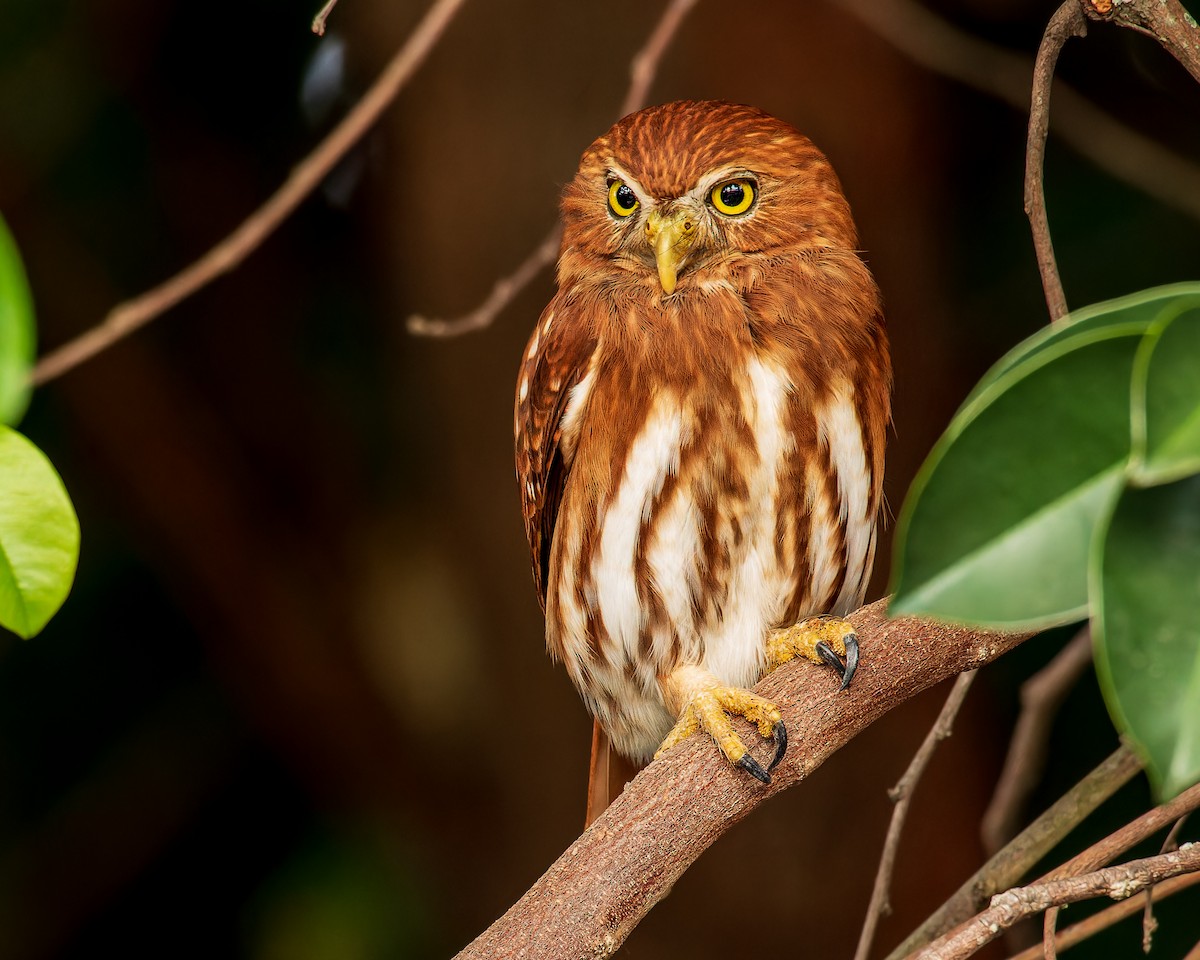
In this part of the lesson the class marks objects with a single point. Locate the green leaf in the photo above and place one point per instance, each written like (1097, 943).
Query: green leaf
(16, 331)
(39, 536)
(998, 525)
(1146, 578)
(1135, 313)
(1166, 403)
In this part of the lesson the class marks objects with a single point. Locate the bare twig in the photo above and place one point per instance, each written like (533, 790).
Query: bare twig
(674, 809)
(644, 66)
(1149, 924)
(1008, 908)
(1165, 20)
(1008, 866)
(1117, 843)
(901, 795)
(503, 293)
(1067, 22)
(318, 24)
(1078, 932)
(642, 71)
(1041, 697)
(126, 317)
(1049, 934)
(1115, 148)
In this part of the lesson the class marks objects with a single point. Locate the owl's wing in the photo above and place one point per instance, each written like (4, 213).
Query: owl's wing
(555, 360)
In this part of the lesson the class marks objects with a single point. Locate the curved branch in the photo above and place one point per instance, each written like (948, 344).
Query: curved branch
(1067, 22)
(901, 795)
(1008, 908)
(1165, 20)
(1041, 697)
(1091, 131)
(133, 314)
(643, 68)
(678, 806)
(1078, 932)
(1031, 845)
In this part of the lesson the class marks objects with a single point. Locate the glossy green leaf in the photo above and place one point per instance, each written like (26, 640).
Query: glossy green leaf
(1146, 581)
(998, 525)
(1166, 406)
(39, 536)
(16, 331)
(1134, 313)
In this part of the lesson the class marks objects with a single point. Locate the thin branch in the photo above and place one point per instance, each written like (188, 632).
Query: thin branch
(1090, 131)
(129, 316)
(1049, 934)
(1117, 843)
(644, 66)
(1167, 21)
(1102, 920)
(318, 24)
(674, 809)
(1067, 22)
(1015, 905)
(1149, 924)
(901, 795)
(1008, 866)
(642, 70)
(503, 293)
(1041, 697)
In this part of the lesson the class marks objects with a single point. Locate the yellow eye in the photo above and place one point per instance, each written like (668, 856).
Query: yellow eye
(622, 201)
(732, 197)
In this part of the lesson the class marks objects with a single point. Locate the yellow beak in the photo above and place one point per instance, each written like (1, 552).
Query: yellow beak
(670, 236)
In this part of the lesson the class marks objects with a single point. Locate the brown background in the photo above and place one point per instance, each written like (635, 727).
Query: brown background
(298, 704)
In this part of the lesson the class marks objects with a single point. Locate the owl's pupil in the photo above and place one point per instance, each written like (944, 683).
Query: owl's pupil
(732, 194)
(625, 197)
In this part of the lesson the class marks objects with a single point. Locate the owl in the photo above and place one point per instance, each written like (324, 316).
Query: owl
(700, 425)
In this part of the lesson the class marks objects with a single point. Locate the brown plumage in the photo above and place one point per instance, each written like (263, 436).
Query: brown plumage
(700, 416)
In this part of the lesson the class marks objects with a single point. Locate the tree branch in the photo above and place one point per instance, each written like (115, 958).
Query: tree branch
(1165, 20)
(1149, 924)
(1015, 905)
(1078, 932)
(1090, 131)
(1067, 22)
(1041, 697)
(318, 24)
(133, 314)
(1034, 842)
(901, 795)
(1117, 843)
(674, 809)
(642, 70)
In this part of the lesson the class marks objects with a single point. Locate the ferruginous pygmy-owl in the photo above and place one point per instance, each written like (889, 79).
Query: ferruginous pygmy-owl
(700, 424)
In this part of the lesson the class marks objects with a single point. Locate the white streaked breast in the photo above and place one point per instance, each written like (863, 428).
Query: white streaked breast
(652, 456)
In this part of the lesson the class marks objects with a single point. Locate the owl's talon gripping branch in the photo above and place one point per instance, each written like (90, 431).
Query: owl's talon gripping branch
(826, 640)
(702, 703)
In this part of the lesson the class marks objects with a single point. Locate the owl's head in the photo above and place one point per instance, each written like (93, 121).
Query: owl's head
(688, 192)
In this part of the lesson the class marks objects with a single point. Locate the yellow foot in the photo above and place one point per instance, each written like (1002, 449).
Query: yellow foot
(701, 703)
(828, 640)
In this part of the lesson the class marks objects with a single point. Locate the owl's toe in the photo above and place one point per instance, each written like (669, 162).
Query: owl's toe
(830, 641)
(704, 704)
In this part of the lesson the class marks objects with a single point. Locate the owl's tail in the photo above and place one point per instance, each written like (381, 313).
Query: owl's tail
(607, 775)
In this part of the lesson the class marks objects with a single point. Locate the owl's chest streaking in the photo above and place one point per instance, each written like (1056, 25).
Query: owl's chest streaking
(715, 488)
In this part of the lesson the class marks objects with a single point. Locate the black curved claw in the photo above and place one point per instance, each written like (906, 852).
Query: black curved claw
(779, 735)
(754, 768)
(851, 642)
(831, 658)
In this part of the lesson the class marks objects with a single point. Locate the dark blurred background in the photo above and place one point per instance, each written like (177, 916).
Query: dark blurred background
(298, 705)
